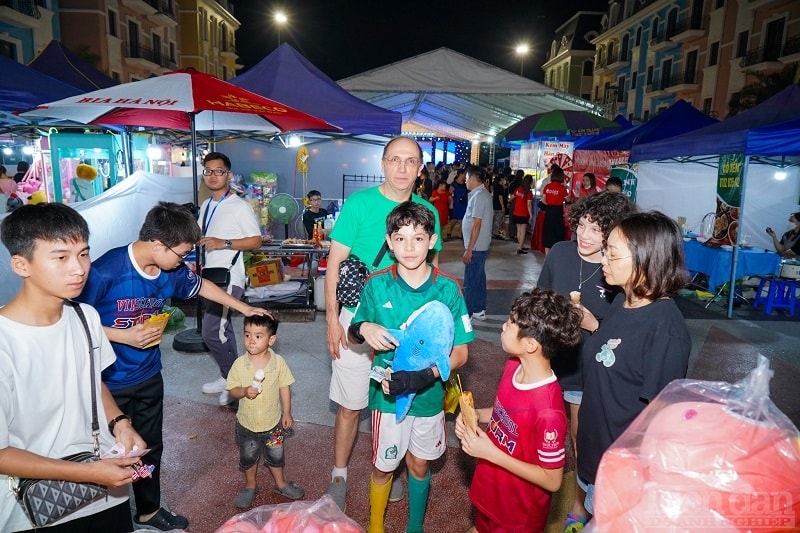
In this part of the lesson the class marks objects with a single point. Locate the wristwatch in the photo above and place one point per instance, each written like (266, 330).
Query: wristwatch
(228, 244)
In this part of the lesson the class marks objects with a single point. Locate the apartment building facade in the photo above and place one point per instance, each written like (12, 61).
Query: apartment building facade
(570, 61)
(208, 29)
(650, 53)
(27, 27)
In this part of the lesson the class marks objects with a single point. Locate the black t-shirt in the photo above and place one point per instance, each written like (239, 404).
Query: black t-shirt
(563, 271)
(626, 363)
(499, 191)
(310, 217)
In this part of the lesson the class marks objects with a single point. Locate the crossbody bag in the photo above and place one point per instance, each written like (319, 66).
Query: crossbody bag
(48, 500)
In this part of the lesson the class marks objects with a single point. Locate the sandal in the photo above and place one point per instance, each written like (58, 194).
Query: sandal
(291, 490)
(246, 497)
(574, 523)
(165, 521)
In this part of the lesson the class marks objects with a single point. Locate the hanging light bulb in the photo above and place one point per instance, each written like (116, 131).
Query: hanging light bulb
(27, 150)
(7, 150)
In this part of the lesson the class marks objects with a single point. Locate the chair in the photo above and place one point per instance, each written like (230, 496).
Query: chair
(780, 294)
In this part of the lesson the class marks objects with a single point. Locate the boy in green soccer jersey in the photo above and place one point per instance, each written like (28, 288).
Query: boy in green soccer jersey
(389, 297)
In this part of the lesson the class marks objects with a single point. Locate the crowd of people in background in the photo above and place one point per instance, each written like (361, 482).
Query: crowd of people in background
(521, 204)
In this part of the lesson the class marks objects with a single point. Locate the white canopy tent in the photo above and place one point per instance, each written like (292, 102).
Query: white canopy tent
(454, 95)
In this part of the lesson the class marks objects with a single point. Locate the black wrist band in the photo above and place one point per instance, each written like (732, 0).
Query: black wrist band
(113, 423)
(355, 332)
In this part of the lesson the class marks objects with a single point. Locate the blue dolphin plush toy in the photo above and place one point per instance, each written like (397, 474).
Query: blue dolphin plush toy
(425, 340)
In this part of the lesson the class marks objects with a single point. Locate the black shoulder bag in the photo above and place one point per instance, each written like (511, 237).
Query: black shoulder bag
(353, 274)
(48, 500)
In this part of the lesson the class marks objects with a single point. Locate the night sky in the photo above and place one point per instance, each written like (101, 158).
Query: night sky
(347, 37)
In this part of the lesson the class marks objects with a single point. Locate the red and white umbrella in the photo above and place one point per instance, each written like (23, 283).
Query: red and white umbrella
(184, 99)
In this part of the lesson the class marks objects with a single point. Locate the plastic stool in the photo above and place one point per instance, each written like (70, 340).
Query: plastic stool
(781, 294)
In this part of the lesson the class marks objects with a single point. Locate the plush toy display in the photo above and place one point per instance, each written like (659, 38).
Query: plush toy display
(426, 339)
(85, 172)
(703, 455)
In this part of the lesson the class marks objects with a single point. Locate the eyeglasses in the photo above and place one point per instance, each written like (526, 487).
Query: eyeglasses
(397, 161)
(315, 199)
(215, 172)
(182, 257)
(604, 254)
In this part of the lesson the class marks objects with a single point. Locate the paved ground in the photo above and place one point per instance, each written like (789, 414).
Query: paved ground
(201, 479)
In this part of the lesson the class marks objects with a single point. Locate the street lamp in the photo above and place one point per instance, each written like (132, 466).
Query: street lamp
(522, 51)
(280, 20)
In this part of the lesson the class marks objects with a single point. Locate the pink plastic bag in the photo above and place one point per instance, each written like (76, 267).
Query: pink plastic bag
(321, 516)
(703, 456)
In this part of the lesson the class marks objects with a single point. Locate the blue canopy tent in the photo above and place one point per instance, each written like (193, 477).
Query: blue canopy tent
(288, 77)
(23, 88)
(677, 119)
(59, 62)
(762, 133)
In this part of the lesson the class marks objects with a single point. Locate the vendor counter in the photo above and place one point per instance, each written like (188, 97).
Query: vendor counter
(716, 262)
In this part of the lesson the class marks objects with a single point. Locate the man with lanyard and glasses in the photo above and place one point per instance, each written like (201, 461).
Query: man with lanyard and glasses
(360, 231)
(229, 226)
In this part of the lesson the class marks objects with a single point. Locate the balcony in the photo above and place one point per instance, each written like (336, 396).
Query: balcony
(142, 7)
(166, 14)
(21, 13)
(687, 80)
(687, 29)
(227, 50)
(763, 58)
(658, 87)
(660, 42)
(147, 58)
(619, 60)
(601, 65)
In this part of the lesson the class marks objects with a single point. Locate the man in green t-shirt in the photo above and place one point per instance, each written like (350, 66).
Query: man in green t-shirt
(390, 297)
(360, 230)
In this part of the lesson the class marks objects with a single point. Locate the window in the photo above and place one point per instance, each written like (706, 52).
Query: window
(654, 29)
(156, 40)
(172, 51)
(672, 22)
(596, 93)
(8, 49)
(646, 115)
(116, 76)
(690, 75)
(741, 43)
(638, 40)
(133, 39)
(713, 54)
(112, 23)
(633, 80)
(621, 89)
(224, 72)
(649, 74)
(588, 68)
(623, 51)
(707, 106)
(630, 118)
(666, 74)
(774, 39)
(203, 24)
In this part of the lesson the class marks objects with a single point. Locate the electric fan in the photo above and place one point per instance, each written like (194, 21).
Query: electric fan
(282, 209)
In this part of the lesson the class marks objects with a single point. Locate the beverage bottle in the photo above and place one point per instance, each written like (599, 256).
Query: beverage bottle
(322, 266)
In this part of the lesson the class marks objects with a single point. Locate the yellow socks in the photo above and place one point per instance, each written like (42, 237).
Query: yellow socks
(378, 500)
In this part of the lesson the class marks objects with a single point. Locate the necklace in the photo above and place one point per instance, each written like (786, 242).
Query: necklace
(581, 279)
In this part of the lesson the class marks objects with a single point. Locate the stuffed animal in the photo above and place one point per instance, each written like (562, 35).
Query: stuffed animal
(85, 172)
(425, 340)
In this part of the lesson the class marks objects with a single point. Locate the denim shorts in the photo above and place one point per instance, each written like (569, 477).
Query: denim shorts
(252, 444)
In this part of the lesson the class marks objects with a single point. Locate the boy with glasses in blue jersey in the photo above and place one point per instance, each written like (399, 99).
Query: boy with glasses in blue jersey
(127, 285)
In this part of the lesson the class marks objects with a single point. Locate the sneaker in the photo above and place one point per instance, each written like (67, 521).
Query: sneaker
(165, 521)
(338, 491)
(224, 398)
(574, 523)
(215, 387)
(479, 316)
(397, 491)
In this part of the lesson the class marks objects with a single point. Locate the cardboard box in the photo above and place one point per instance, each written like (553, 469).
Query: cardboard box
(265, 272)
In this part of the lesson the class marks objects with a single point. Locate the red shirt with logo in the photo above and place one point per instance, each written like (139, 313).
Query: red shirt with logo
(528, 423)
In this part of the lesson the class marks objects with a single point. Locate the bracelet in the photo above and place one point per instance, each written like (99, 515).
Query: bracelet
(355, 331)
(113, 423)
